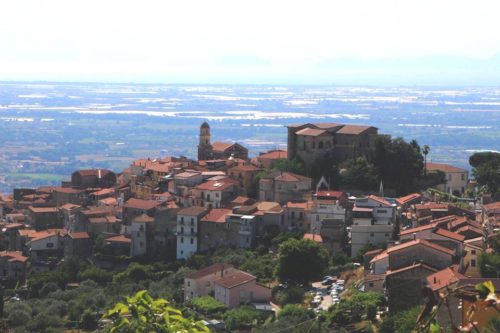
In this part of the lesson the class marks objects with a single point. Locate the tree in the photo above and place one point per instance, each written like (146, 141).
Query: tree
(489, 265)
(493, 326)
(359, 173)
(286, 165)
(486, 170)
(142, 313)
(96, 274)
(425, 150)
(301, 261)
(398, 163)
(88, 320)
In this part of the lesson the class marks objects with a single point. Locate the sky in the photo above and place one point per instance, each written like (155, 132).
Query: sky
(386, 42)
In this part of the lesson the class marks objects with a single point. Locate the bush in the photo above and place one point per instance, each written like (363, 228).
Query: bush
(207, 304)
(96, 274)
(88, 320)
(242, 318)
(292, 295)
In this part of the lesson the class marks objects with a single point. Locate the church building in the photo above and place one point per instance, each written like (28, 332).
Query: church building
(218, 150)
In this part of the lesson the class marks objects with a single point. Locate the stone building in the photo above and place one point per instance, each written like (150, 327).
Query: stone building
(218, 150)
(310, 142)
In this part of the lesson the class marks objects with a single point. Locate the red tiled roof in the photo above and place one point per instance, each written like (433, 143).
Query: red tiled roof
(244, 167)
(444, 167)
(208, 270)
(119, 239)
(449, 234)
(431, 206)
(216, 185)
(300, 205)
(14, 225)
(417, 229)
(143, 218)
(141, 204)
(43, 209)
(217, 215)
(290, 177)
(469, 228)
(103, 219)
(192, 211)
(69, 206)
(420, 242)
(380, 256)
(373, 252)
(314, 237)
(327, 126)
(444, 278)
(14, 256)
(235, 279)
(241, 200)
(79, 235)
(408, 268)
(379, 200)
(330, 194)
(353, 129)
(274, 155)
(311, 132)
(408, 198)
(221, 146)
(67, 190)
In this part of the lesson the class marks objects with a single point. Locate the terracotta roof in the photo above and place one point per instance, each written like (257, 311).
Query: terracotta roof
(103, 219)
(374, 277)
(43, 209)
(274, 155)
(42, 235)
(14, 256)
(289, 177)
(469, 228)
(408, 268)
(408, 198)
(241, 200)
(187, 174)
(14, 225)
(444, 278)
(221, 146)
(119, 239)
(192, 211)
(216, 185)
(379, 200)
(208, 270)
(353, 129)
(431, 206)
(380, 256)
(69, 206)
(104, 191)
(491, 206)
(141, 204)
(417, 229)
(311, 132)
(444, 167)
(314, 237)
(143, 218)
(449, 234)
(268, 206)
(419, 242)
(109, 201)
(327, 126)
(79, 235)
(217, 215)
(235, 279)
(300, 205)
(244, 167)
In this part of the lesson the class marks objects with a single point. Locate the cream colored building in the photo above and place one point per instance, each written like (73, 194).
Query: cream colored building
(456, 178)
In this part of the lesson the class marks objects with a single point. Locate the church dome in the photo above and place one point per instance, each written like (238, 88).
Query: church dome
(204, 125)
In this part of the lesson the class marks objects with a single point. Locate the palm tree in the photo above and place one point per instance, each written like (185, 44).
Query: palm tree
(425, 150)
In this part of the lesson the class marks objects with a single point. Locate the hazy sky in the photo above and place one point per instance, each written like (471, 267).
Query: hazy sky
(231, 41)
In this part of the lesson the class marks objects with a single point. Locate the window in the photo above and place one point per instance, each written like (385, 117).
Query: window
(138, 234)
(50, 245)
(449, 176)
(192, 231)
(372, 234)
(182, 251)
(463, 176)
(192, 240)
(370, 284)
(182, 240)
(182, 219)
(182, 230)
(473, 252)
(317, 217)
(217, 194)
(140, 244)
(192, 221)
(386, 235)
(314, 144)
(473, 263)
(293, 215)
(189, 283)
(320, 145)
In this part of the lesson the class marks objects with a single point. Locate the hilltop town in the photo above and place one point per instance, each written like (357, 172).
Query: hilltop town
(346, 224)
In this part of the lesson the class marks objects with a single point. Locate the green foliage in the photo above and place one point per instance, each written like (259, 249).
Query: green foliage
(291, 295)
(37, 281)
(73, 266)
(142, 313)
(398, 163)
(88, 320)
(135, 273)
(301, 261)
(493, 326)
(486, 170)
(359, 173)
(489, 264)
(404, 321)
(243, 317)
(291, 319)
(352, 310)
(486, 157)
(286, 165)
(96, 274)
(207, 304)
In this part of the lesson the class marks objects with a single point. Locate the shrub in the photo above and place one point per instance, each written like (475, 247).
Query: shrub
(207, 304)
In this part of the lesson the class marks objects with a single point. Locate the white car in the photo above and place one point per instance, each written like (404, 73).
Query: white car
(341, 282)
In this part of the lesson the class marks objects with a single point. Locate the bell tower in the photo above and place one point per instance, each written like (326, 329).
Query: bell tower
(204, 146)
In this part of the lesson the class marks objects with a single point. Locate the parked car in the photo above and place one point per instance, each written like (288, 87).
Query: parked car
(317, 299)
(328, 281)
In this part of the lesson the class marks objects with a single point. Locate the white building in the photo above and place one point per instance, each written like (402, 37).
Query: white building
(140, 229)
(187, 230)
